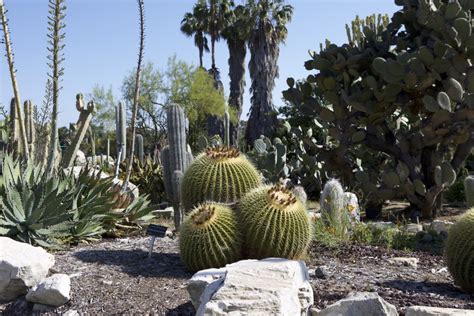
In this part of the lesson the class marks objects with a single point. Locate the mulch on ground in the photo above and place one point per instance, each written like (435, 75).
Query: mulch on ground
(116, 277)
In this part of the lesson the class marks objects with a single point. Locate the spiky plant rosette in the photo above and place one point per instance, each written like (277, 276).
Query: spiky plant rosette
(221, 174)
(275, 223)
(459, 254)
(210, 237)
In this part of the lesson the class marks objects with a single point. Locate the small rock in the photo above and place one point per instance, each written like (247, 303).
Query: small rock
(352, 205)
(405, 261)
(441, 226)
(53, 290)
(436, 311)
(71, 312)
(363, 303)
(321, 272)
(42, 308)
(313, 311)
(382, 225)
(413, 228)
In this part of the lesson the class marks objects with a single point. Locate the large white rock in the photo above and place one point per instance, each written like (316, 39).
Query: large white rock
(21, 266)
(436, 311)
(440, 226)
(197, 284)
(80, 158)
(363, 303)
(52, 291)
(272, 286)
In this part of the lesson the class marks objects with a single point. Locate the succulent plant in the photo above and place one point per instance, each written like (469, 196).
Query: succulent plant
(220, 174)
(210, 237)
(121, 131)
(275, 223)
(469, 190)
(459, 253)
(332, 203)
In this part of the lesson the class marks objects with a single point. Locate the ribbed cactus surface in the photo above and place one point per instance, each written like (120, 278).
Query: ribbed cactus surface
(469, 190)
(275, 223)
(220, 174)
(459, 253)
(210, 237)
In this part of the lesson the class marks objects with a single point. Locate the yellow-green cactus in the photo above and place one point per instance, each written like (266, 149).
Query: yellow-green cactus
(219, 174)
(275, 223)
(210, 237)
(459, 254)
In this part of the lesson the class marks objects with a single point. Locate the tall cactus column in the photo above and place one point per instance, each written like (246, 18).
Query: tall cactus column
(121, 131)
(29, 124)
(469, 190)
(175, 159)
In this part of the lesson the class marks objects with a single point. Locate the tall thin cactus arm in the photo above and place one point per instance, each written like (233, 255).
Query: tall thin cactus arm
(121, 131)
(30, 126)
(82, 127)
(23, 146)
(56, 37)
(226, 128)
(136, 92)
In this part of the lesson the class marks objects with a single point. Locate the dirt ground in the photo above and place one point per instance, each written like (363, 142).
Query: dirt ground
(116, 277)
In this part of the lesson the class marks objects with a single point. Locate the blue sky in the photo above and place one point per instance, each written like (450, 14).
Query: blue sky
(102, 39)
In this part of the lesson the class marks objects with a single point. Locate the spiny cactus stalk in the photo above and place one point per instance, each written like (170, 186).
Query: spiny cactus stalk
(82, 126)
(226, 128)
(275, 223)
(210, 237)
(30, 125)
(14, 124)
(459, 253)
(175, 159)
(139, 148)
(469, 190)
(22, 146)
(332, 203)
(220, 174)
(121, 131)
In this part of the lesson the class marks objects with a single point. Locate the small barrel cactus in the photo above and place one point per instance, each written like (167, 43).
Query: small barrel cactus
(469, 190)
(275, 223)
(210, 237)
(332, 203)
(219, 174)
(459, 253)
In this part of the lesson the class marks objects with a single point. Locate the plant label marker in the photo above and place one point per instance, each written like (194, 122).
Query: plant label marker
(155, 231)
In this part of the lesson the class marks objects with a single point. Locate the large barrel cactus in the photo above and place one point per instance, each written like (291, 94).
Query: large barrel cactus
(460, 252)
(275, 223)
(210, 237)
(219, 174)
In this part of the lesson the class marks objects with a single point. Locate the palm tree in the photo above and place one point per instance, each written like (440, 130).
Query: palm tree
(271, 17)
(218, 11)
(237, 32)
(195, 24)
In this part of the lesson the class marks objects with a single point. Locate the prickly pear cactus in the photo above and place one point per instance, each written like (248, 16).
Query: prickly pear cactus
(459, 253)
(210, 237)
(219, 174)
(332, 203)
(469, 190)
(275, 223)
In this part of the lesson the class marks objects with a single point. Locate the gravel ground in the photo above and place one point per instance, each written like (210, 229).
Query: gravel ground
(116, 277)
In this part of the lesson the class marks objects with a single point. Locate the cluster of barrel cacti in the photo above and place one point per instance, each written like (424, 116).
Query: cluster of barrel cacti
(399, 94)
(459, 253)
(230, 208)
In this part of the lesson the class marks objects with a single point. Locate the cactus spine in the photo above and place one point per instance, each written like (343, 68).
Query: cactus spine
(332, 203)
(210, 238)
(175, 159)
(469, 190)
(139, 148)
(459, 253)
(275, 223)
(121, 131)
(82, 125)
(220, 174)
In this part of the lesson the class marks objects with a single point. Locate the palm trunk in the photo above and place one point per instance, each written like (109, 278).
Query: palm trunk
(263, 71)
(213, 44)
(237, 52)
(201, 53)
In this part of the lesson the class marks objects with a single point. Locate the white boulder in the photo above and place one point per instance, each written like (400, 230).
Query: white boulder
(197, 284)
(53, 291)
(436, 311)
(440, 226)
(21, 266)
(272, 286)
(363, 303)
(351, 203)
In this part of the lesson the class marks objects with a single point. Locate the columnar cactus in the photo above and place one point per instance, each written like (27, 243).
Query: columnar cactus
(85, 117)
(139, 148)
(121, 131)
(469, 190)
(175, 159)
(332, 203)
(29, 124)
(210, 238)
(459, 253)
(14, 124)
(220, 174)
(275, 223)
(226, 128)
